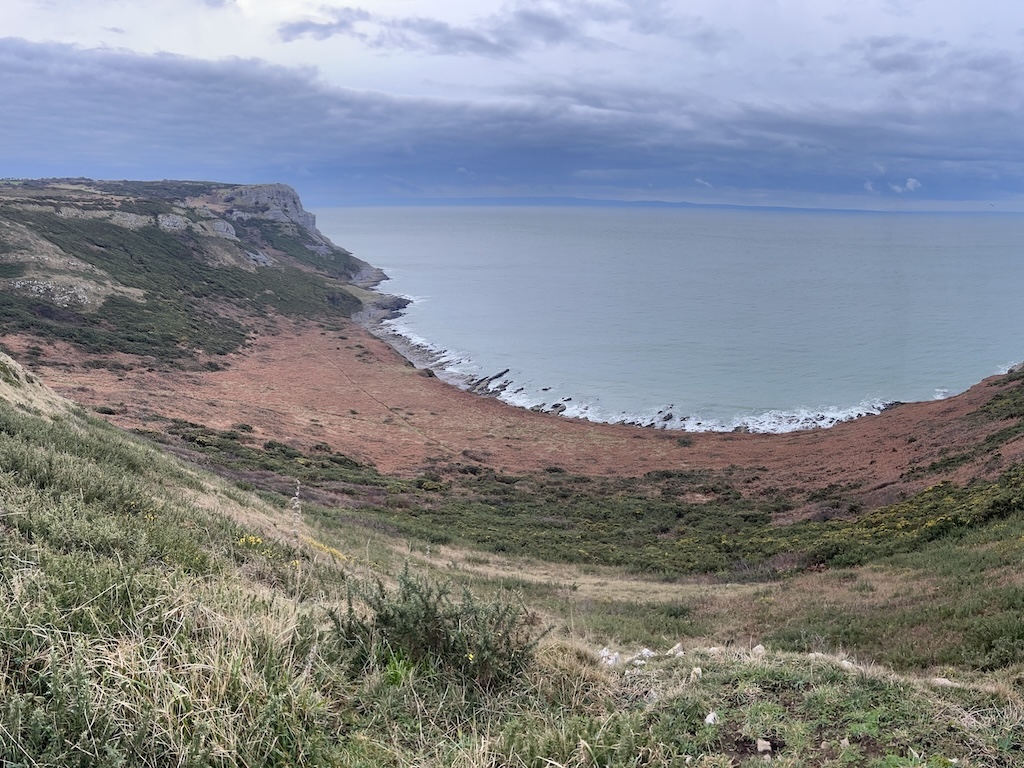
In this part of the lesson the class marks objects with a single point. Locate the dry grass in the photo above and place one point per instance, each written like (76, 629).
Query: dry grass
(24, 390)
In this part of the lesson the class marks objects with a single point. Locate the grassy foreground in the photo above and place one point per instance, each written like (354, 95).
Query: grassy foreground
(152, 615)
(303, 609)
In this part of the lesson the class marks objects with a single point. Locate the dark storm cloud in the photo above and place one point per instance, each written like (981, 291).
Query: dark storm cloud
(103, 113)
(117, 109)
(99, 112)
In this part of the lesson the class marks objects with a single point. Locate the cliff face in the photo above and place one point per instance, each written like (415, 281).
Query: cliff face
(276, 202)
(171, 269)
(279, 203)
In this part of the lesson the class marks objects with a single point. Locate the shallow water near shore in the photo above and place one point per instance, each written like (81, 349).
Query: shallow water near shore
(700, 319)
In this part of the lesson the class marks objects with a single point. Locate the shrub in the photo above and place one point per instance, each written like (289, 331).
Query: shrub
(9, 375)
(485, 645)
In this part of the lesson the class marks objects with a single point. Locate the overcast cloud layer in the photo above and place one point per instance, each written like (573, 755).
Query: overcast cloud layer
(889, 104)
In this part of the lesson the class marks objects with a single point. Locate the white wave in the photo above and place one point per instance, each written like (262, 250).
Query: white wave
(460, 370)
(672, 418)
(1004, 369)
(778, 421)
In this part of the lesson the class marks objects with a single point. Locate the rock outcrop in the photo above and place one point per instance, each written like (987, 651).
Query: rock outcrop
(276, 202)
(248, 227)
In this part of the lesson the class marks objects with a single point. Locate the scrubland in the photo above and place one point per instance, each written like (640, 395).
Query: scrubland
(155, 614)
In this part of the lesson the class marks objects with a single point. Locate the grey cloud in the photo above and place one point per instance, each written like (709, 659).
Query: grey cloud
(899, 62)
(343, 23)
(69, 107)
(500, 36)
(923, 60)
(518, 27)
(896, 54)
(619, 99)
(116, 114)
(900, 8)
(438, 37)
(709, 40)
(921, 76)
(647, 17)
(538, 25)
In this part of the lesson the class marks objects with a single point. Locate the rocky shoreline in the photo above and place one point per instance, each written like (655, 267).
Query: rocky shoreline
(432, 361)
(374, 318)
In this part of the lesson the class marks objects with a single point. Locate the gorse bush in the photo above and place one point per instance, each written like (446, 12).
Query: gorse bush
(487, 645)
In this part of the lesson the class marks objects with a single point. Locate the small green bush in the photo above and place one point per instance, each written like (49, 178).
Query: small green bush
(485, 645)
(9, 375)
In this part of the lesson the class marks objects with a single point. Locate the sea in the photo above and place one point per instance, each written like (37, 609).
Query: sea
(698, 319)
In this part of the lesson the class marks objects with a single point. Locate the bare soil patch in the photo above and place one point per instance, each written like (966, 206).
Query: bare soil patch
(307, 384)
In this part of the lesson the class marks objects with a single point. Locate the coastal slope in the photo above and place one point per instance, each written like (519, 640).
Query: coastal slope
(251, 324)
(251, 533)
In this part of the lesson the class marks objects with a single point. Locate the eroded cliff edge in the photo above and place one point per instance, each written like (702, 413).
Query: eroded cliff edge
(168, 272)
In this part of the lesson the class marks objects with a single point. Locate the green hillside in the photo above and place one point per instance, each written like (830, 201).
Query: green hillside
(192, 596)
(155, 615)
(171, 273)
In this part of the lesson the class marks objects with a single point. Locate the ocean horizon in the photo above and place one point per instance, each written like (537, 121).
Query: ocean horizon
(698, 319)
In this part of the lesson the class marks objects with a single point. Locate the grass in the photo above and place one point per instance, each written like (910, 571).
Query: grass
(644, 526)
(819, 711)
(151, 615)
(959, 536)
(306, 609)
(1005, 406)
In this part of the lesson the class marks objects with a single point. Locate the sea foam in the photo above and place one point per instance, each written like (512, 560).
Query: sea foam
(460, 370)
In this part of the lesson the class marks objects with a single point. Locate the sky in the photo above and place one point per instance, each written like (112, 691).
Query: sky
(873, 104)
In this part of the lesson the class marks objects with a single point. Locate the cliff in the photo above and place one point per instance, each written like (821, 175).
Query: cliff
(165, 270)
